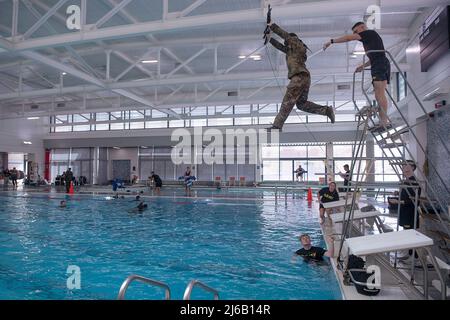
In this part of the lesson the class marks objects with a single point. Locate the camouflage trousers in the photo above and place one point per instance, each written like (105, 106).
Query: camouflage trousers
(297, 94)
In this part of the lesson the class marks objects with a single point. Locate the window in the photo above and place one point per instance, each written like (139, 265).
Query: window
(81, 117)
(242, 121)
(101, 127)
(82, 128)
(242, 109)
(293, 151)
(344, 117)
(176, 123)
(316, 151)
(271, 170)
(220, 122)
(266, 120)
(63, 129)
(198, 123)
(270, 108)
(117, 126)
(137, 125)
(286, 170)
(401, 87)
(102, 116)
(156, 124)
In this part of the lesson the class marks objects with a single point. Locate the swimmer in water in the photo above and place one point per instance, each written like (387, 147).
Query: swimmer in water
(63, 204)
(309, 252)
(138, 198)
(141, 206)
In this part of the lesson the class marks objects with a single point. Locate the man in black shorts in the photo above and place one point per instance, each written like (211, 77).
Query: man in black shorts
(327, 194)
(310, 252)
(158, 182)
(380, 66)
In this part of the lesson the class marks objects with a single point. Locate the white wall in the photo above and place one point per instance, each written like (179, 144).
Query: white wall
(13, 132)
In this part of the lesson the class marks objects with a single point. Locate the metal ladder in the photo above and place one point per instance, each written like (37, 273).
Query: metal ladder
(193, 283)
(187, 292)
(133, 277)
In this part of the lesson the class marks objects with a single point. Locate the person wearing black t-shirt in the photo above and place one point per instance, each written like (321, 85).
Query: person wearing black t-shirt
(310, 252)
(380, 66)
(158, 182)
(407, 197)
(408, 212)
(346, 177)
(327, 194)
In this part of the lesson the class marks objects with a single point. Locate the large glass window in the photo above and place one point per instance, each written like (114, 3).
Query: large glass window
(286, 170)
(401, 87)
(271, 170)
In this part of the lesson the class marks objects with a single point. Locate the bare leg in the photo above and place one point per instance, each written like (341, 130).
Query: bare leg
(380, 96)
(322, 215)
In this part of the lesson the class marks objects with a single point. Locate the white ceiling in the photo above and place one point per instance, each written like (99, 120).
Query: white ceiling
(179, 39)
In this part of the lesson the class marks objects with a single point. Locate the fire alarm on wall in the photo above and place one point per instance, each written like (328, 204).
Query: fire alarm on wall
(440, 104)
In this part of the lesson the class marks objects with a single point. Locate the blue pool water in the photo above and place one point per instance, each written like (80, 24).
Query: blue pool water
(241, 248)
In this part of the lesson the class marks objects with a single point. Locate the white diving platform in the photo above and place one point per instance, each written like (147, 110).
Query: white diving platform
(335, 204)
(387, 242)
(357, 215)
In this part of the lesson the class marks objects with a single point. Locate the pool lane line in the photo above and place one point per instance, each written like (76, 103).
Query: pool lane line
(154, 197)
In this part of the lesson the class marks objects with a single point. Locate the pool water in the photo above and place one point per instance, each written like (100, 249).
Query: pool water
(242, 249)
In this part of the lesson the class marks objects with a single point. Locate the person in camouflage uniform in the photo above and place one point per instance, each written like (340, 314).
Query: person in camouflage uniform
(299, 76)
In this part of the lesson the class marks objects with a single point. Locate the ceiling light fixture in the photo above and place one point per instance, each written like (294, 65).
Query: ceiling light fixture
(64, 73)
(27, 142)
(359, 53)
(149, 61)
(33, 118)
(117, 148)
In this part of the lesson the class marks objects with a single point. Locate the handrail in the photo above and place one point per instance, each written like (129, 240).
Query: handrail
(133, 277)
(193, 283)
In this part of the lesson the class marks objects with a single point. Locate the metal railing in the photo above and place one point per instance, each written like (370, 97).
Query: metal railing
(133, 277)
(193, 283)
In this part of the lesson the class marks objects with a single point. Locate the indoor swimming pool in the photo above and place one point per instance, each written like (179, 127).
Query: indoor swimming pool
(242, 249)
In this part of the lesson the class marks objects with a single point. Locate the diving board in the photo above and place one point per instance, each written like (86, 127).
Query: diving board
(357, 215)
(387, 242)
(335, 204)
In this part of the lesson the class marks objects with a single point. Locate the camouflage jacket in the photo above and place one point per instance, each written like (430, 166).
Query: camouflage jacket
(294, 49)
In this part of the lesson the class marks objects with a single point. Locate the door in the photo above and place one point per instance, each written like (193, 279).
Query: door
(121, 169)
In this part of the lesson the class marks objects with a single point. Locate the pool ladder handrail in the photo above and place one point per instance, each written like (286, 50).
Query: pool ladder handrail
(133, 277)
(193, 283)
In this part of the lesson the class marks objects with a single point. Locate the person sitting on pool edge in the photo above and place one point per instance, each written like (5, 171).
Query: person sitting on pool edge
(327, 194)
(310, 252)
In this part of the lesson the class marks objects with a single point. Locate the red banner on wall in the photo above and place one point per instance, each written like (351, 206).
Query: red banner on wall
(47, 165)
